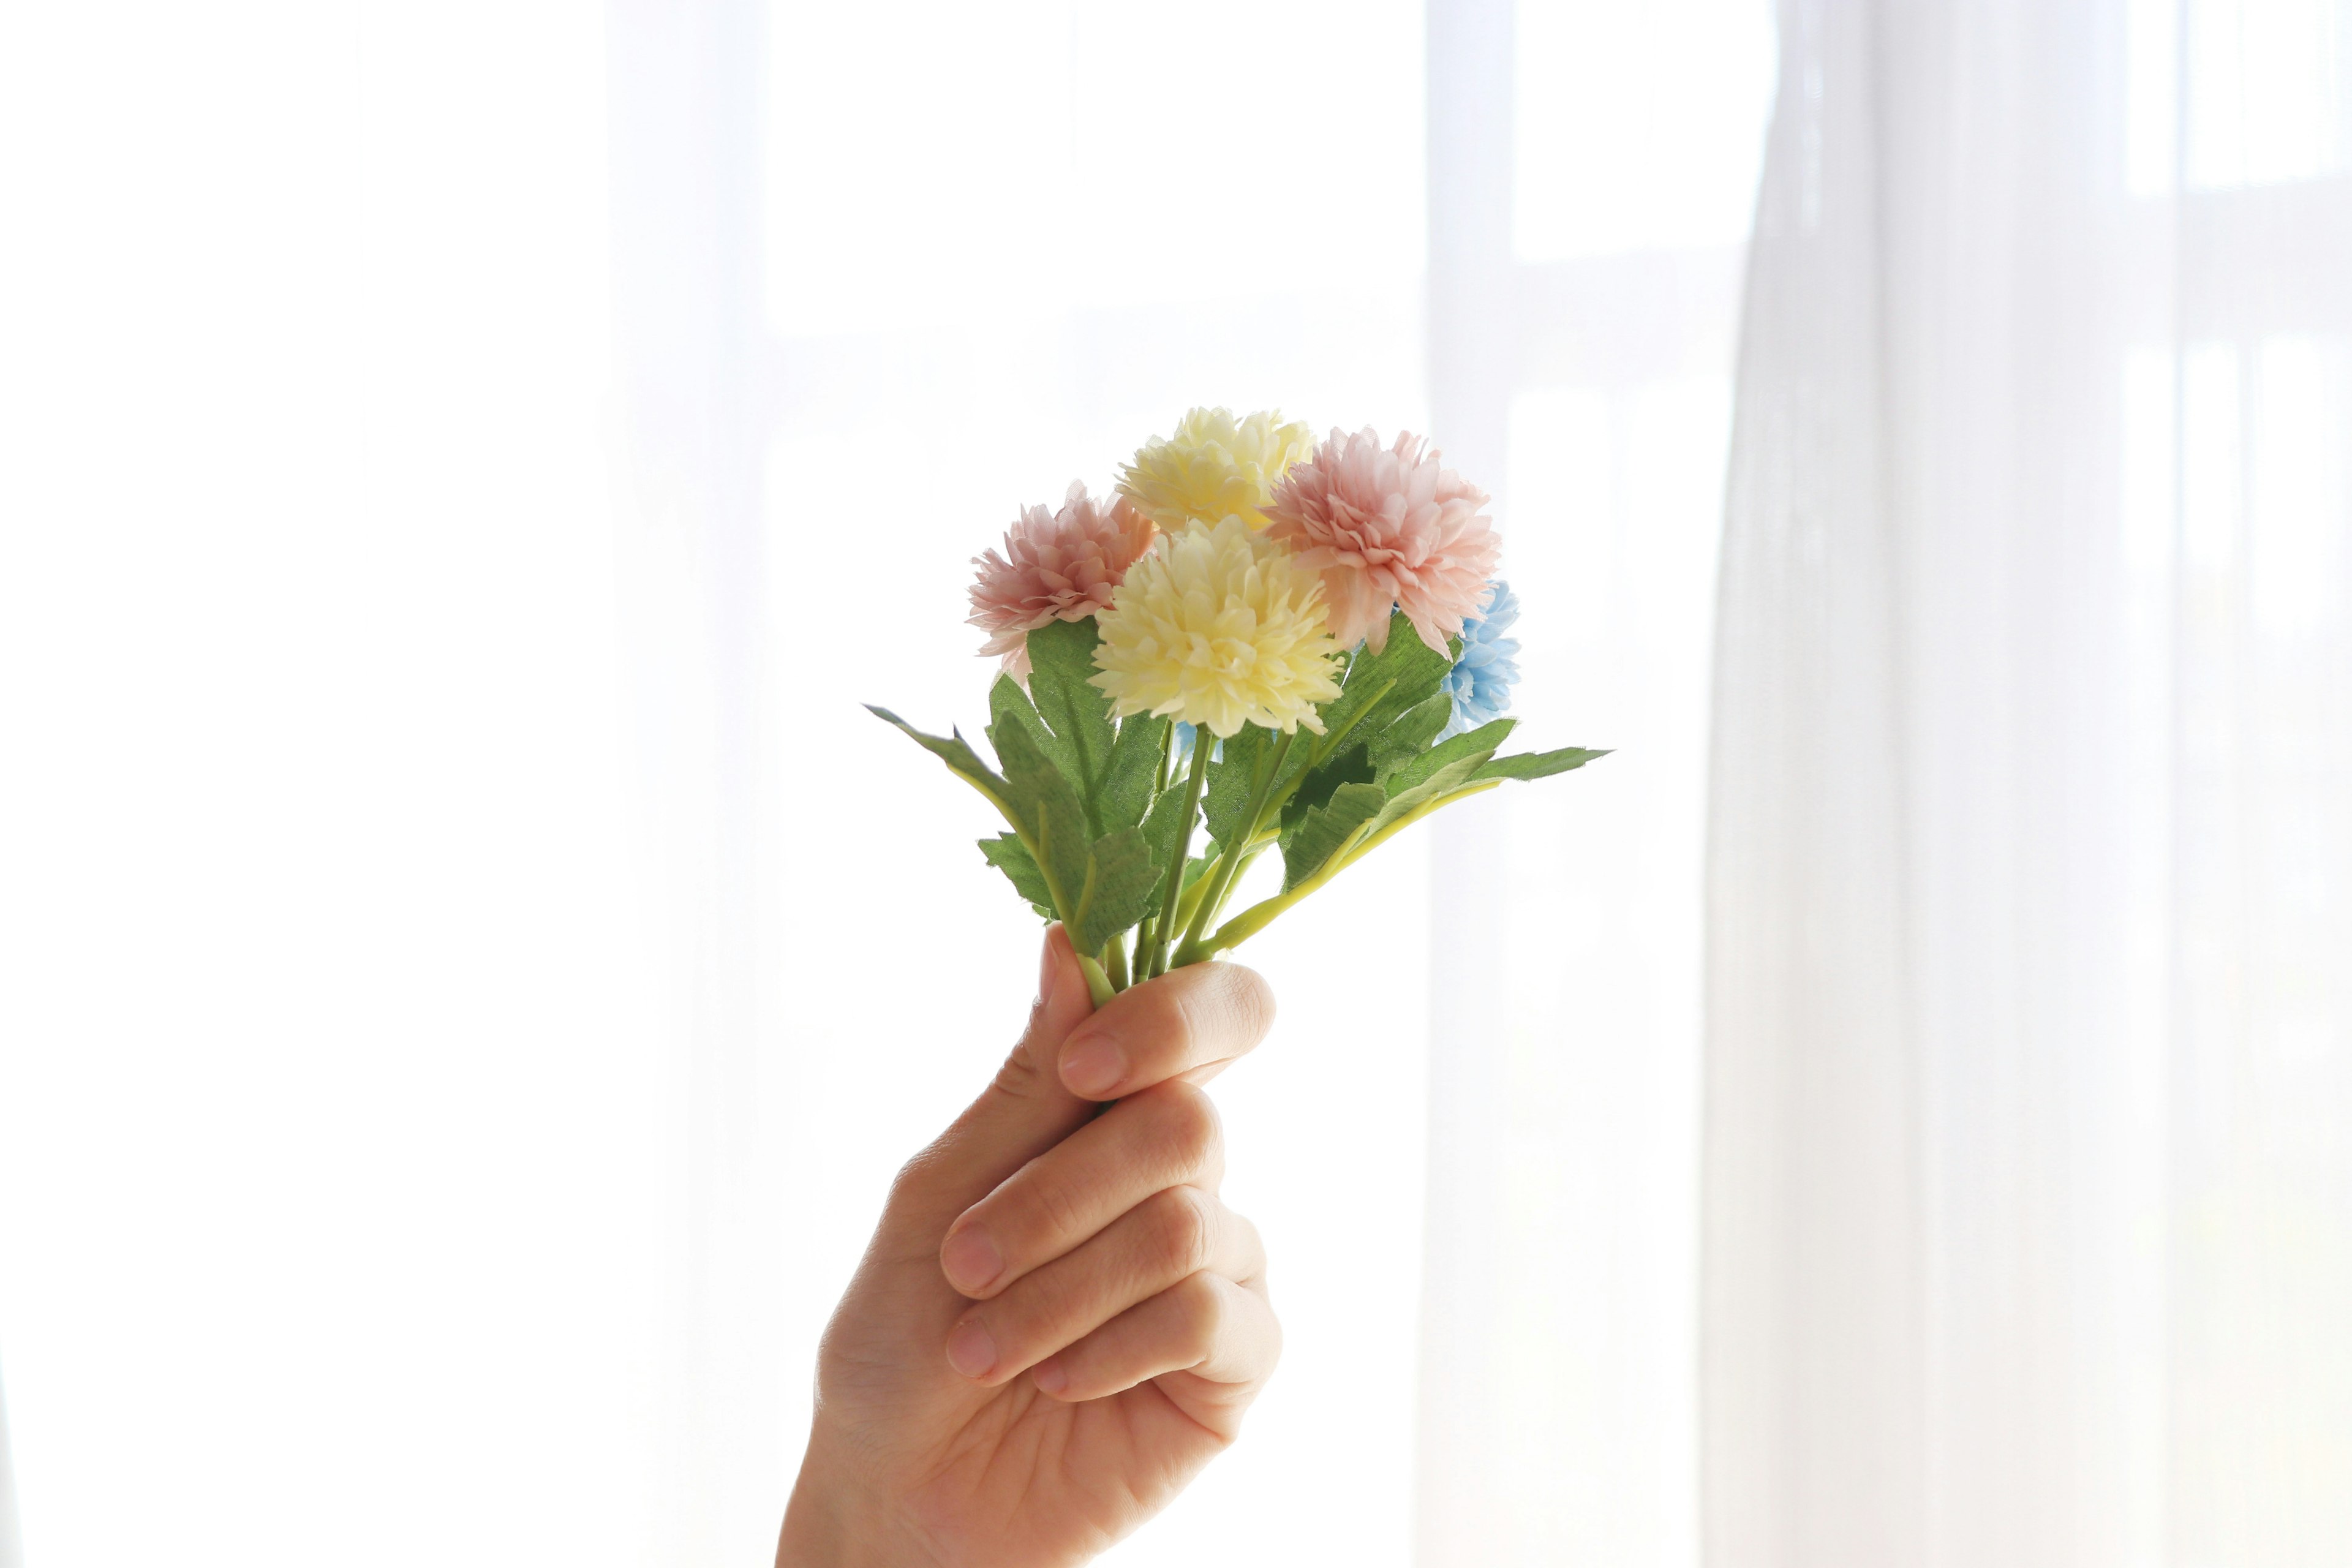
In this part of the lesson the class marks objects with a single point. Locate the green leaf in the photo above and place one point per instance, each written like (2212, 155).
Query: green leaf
(1061, 667)
(1231, 777)
(1047, 812)
(1381, 686)
(1134, 765)
(1167, 820)
(1006, 853)
(1382, 716)
(1535, 764)
(1328, 828)
(1476, 744)
(1409, 735)
(1008, 705)
(1352, 765)
(1116, 891)
(959, 755)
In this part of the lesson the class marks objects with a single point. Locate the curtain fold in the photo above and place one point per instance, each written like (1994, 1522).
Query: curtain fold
(2028, 1197)
(12, 1552)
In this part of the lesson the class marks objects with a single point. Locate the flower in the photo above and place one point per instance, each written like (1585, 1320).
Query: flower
(1219, 628)
(1387, 526)
(1213, 468)
(1480, 681)
(1057, 565)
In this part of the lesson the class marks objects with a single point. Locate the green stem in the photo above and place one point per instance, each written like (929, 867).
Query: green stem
(1115, 961)
(1260, 915)
(1249, 858)
(1193, 780)
(1098, 984)
(1229, 865)
(1198, 886)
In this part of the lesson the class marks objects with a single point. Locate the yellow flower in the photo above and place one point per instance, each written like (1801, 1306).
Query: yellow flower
(1214, 466)
(1218, 628)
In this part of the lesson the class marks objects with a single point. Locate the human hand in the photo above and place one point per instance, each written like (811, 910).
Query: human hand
(1058, 1322)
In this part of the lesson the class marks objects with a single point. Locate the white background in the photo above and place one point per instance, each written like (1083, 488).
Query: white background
(467, 967)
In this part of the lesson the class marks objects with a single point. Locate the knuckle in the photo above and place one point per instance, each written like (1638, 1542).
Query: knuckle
(1021, 1076)
(1187, 1121)
(912, 1177)
(1186, 1226)
(1044, 1209)
(1246, 1246)
(1201, 1316)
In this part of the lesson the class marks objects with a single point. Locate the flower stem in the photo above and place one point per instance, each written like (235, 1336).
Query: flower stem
(1098, 984)
(1229, 865)
(1193, 780)
(1115, 961)
(1260, 915)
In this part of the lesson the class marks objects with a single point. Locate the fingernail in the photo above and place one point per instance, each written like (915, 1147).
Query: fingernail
(1050, 1378)
(1093, 1067)
(970, 1350)
(971, 1259)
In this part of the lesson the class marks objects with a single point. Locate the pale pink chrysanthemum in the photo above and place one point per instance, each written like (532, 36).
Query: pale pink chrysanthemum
(1387, 526)
(1057, 566)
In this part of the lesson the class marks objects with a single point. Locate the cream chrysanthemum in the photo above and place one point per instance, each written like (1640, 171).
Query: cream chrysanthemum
(1217, 627)
(1214, 466)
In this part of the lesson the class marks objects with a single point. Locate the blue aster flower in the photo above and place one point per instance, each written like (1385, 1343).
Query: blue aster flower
(1480, 681)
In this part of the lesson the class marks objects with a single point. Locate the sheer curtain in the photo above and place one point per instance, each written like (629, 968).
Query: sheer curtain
(2028, 1189)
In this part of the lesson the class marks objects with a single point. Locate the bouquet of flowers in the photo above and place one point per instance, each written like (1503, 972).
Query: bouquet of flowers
(1162, 651)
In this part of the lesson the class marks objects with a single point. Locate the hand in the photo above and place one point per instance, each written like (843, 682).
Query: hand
(1058, 1322)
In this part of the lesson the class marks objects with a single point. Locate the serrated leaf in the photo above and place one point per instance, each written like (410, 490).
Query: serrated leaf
(1352, 765)
(1535, 764)
(1166, 821)
(1047, 811)
(1061, 667)
(1378, 686)
(957, 752)
(1117, 891)
(1411, 734)
(1476, 745)
(1006, 853)
(1443, 780)
(1134, 765)
(1327, 828)
(1009, 705)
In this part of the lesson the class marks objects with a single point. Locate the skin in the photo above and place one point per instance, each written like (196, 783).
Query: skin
(1059, 1322)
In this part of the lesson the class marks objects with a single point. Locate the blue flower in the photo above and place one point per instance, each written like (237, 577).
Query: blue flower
(1480, 681)
(1184, 747)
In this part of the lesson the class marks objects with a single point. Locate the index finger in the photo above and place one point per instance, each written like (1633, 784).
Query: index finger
(1187, 1024)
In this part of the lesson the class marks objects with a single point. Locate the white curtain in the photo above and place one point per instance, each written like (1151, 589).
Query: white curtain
(11, 1543)
(2029, 1087)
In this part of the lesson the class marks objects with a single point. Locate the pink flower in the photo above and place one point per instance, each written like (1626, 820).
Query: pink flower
(1058, 566)
(1387, 526)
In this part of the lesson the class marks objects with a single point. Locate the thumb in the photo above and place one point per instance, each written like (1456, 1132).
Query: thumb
(1025, 1111)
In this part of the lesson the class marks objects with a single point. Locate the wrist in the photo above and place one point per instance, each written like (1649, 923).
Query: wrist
(829, 1523)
